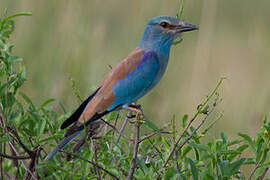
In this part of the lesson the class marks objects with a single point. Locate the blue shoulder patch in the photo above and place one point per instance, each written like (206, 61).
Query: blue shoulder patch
(138, 82)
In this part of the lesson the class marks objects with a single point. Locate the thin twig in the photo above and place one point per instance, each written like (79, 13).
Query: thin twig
(1, 163)
(15, 133)
(115, 129)
(112, 140)
(264, 173)
(258, 164)
(32, 173)
(2, 121)
(135, 151)
(94, 148)
(158, 151)
(123, 127)
(153, 134)
(197, 128)
(94, 164)
(23, 161)
(199, 110)
(7, 175)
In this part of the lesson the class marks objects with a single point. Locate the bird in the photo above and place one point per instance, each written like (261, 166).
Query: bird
(130, 79)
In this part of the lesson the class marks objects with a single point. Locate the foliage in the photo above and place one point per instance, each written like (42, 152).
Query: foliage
(29, 132)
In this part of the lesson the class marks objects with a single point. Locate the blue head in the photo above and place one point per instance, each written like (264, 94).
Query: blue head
(161, 31)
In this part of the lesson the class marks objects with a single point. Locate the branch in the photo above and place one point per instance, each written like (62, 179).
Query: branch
(135, 151)
(264, 173)
(32, 167)
(258, 164)
(15, 133)
(14, 157)
(116, 130)
(123, 127)
(94, 148)
(12, 146)
(94, 164)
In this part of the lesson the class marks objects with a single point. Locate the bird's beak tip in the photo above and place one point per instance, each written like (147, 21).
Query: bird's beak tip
(190, 27)
(185, 27)
(196, 27)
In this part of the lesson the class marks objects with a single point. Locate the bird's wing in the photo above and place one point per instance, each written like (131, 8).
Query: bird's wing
(126, 82)
(137, 83)
(75, 116)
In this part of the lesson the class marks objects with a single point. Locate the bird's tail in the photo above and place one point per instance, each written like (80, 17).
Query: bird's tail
(65, 141)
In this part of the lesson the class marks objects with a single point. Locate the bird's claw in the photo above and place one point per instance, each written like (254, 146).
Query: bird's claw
(135, 108)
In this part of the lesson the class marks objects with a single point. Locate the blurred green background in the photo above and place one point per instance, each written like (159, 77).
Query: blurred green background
(79, 39)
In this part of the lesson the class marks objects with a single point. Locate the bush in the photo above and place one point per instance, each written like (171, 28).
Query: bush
(28, 132)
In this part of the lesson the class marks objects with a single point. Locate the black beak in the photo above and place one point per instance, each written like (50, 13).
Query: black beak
(185, 27)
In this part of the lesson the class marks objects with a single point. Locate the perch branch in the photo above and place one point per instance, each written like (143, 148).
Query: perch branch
(135, 151)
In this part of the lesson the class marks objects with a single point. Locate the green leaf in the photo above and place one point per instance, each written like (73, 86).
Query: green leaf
(42, 126)
(185, 151)
(197, 154)
(45, 103)
(265, 153)
(16, 15)
(4, 139)
(224, 167)
(259, 150)
(13, 59)
(242, 148)
(250, 142)
(62, 107)
(166, 145)
(170, 173)
(152, 126)
(237, 141)
(180, 10)
(264, 119)
(224, 137)
(49, 138)
(184, 120)
(27, 99)
(201, 147)
(235, 166)
(193, 168)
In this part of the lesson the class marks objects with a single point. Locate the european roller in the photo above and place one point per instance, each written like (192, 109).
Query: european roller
(131, 79)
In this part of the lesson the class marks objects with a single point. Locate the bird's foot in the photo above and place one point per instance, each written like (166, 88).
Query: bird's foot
(135, 108)
(135, 112)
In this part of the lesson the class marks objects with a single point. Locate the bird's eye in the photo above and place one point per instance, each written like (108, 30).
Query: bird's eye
(164, 24)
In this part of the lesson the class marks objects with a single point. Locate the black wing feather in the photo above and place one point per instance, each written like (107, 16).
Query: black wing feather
(76, 115)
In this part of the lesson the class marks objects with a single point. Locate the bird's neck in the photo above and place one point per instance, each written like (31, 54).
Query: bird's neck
(161, 45)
